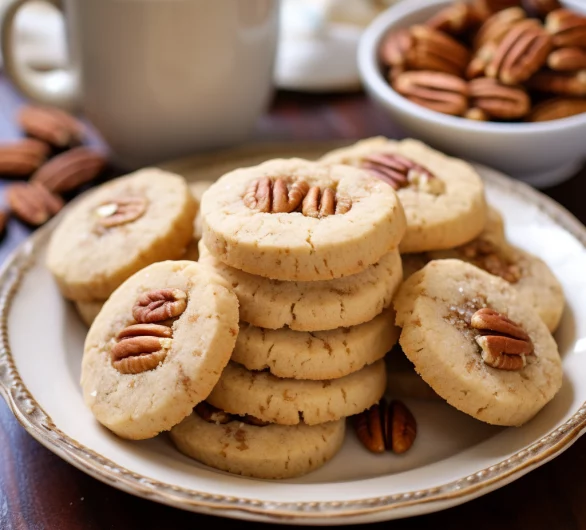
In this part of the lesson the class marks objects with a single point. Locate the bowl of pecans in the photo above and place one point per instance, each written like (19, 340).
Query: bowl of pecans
(500, 82)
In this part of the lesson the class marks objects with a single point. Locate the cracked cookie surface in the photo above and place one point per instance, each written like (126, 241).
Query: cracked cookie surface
(294, 246)
(270, 452)
(434, 308)
(312, 306)
(445, 217)
(316, 355)
(140, 405)
(291, 401)
(90, 255)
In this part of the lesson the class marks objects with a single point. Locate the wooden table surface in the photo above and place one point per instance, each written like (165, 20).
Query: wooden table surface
(40, 491)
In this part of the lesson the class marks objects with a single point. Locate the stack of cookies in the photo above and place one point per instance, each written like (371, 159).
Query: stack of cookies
(311, 253)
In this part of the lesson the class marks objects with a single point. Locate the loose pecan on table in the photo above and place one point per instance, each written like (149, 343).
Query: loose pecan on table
(504, 343)
(386, 427)
(121, 211)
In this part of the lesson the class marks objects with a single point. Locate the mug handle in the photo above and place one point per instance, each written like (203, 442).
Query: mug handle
(59, 87)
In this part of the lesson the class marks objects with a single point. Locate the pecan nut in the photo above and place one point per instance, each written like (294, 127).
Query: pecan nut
(521, 53)
(320, 203)
(121, 211)
(497, 26)
(504, 343)
(559, 83)
(400, 172)
(435, 90)
(567, 28)
(498, 100)
(485, 255)
(274, 196)
(141, 347)
(557, 108)
(455, 19)
(567, 59)
(434, 50)
(23, 157)
(541, 8)
(51, 125)
(383, 427)
(33, 203)
(159, 305)
(70, 169)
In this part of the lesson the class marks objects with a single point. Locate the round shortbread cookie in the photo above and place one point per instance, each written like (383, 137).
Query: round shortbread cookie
(291, 401)
(270, 452)
(202, 337)
(297, 246)
(443, 210)
(435, 307)
(312, 306)
(529, 275)
(316, 355)
(88, 311)
(197, 190)
(118, 229)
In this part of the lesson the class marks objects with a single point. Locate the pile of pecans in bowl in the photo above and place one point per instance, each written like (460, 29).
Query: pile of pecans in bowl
(493, 60)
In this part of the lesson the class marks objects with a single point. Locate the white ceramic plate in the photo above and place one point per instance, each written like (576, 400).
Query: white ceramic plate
(454, 459)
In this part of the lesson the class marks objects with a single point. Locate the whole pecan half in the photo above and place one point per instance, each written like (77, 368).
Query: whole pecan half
(487, 256)
(559, 83)
(436, 51)
(497, 26)
(21, 158)
(33, 203)
(51, 125)
(498, 100)
(121, 211)
(322, 203)
(567, 59)
(159, 305)
(521, 53)
(455, 19)
(141, 347)
(567, 28)
(215, 415)
(435, 90)
(70, 169)
(541, 8)
(504, 343)
(557, 108)
(400, 172)
(269, 195)
(383, 427)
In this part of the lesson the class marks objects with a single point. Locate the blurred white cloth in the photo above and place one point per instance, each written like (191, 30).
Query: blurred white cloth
(317, 47)
(319, 41)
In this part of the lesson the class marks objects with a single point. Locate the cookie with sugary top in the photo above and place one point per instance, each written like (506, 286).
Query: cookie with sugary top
(316, 355)
(443, 197)
(292, 401)
(158, 347)
(267, 452)
(296, 220)
(529, 275)
(118, 229)
(312, 306)
(477, 342)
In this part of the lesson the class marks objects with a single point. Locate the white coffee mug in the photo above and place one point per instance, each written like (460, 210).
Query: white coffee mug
(158, 78)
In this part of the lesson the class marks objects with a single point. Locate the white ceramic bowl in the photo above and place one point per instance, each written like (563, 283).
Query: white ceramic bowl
(541, 154)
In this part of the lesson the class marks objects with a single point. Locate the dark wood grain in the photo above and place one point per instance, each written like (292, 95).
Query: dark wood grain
(40, 491)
